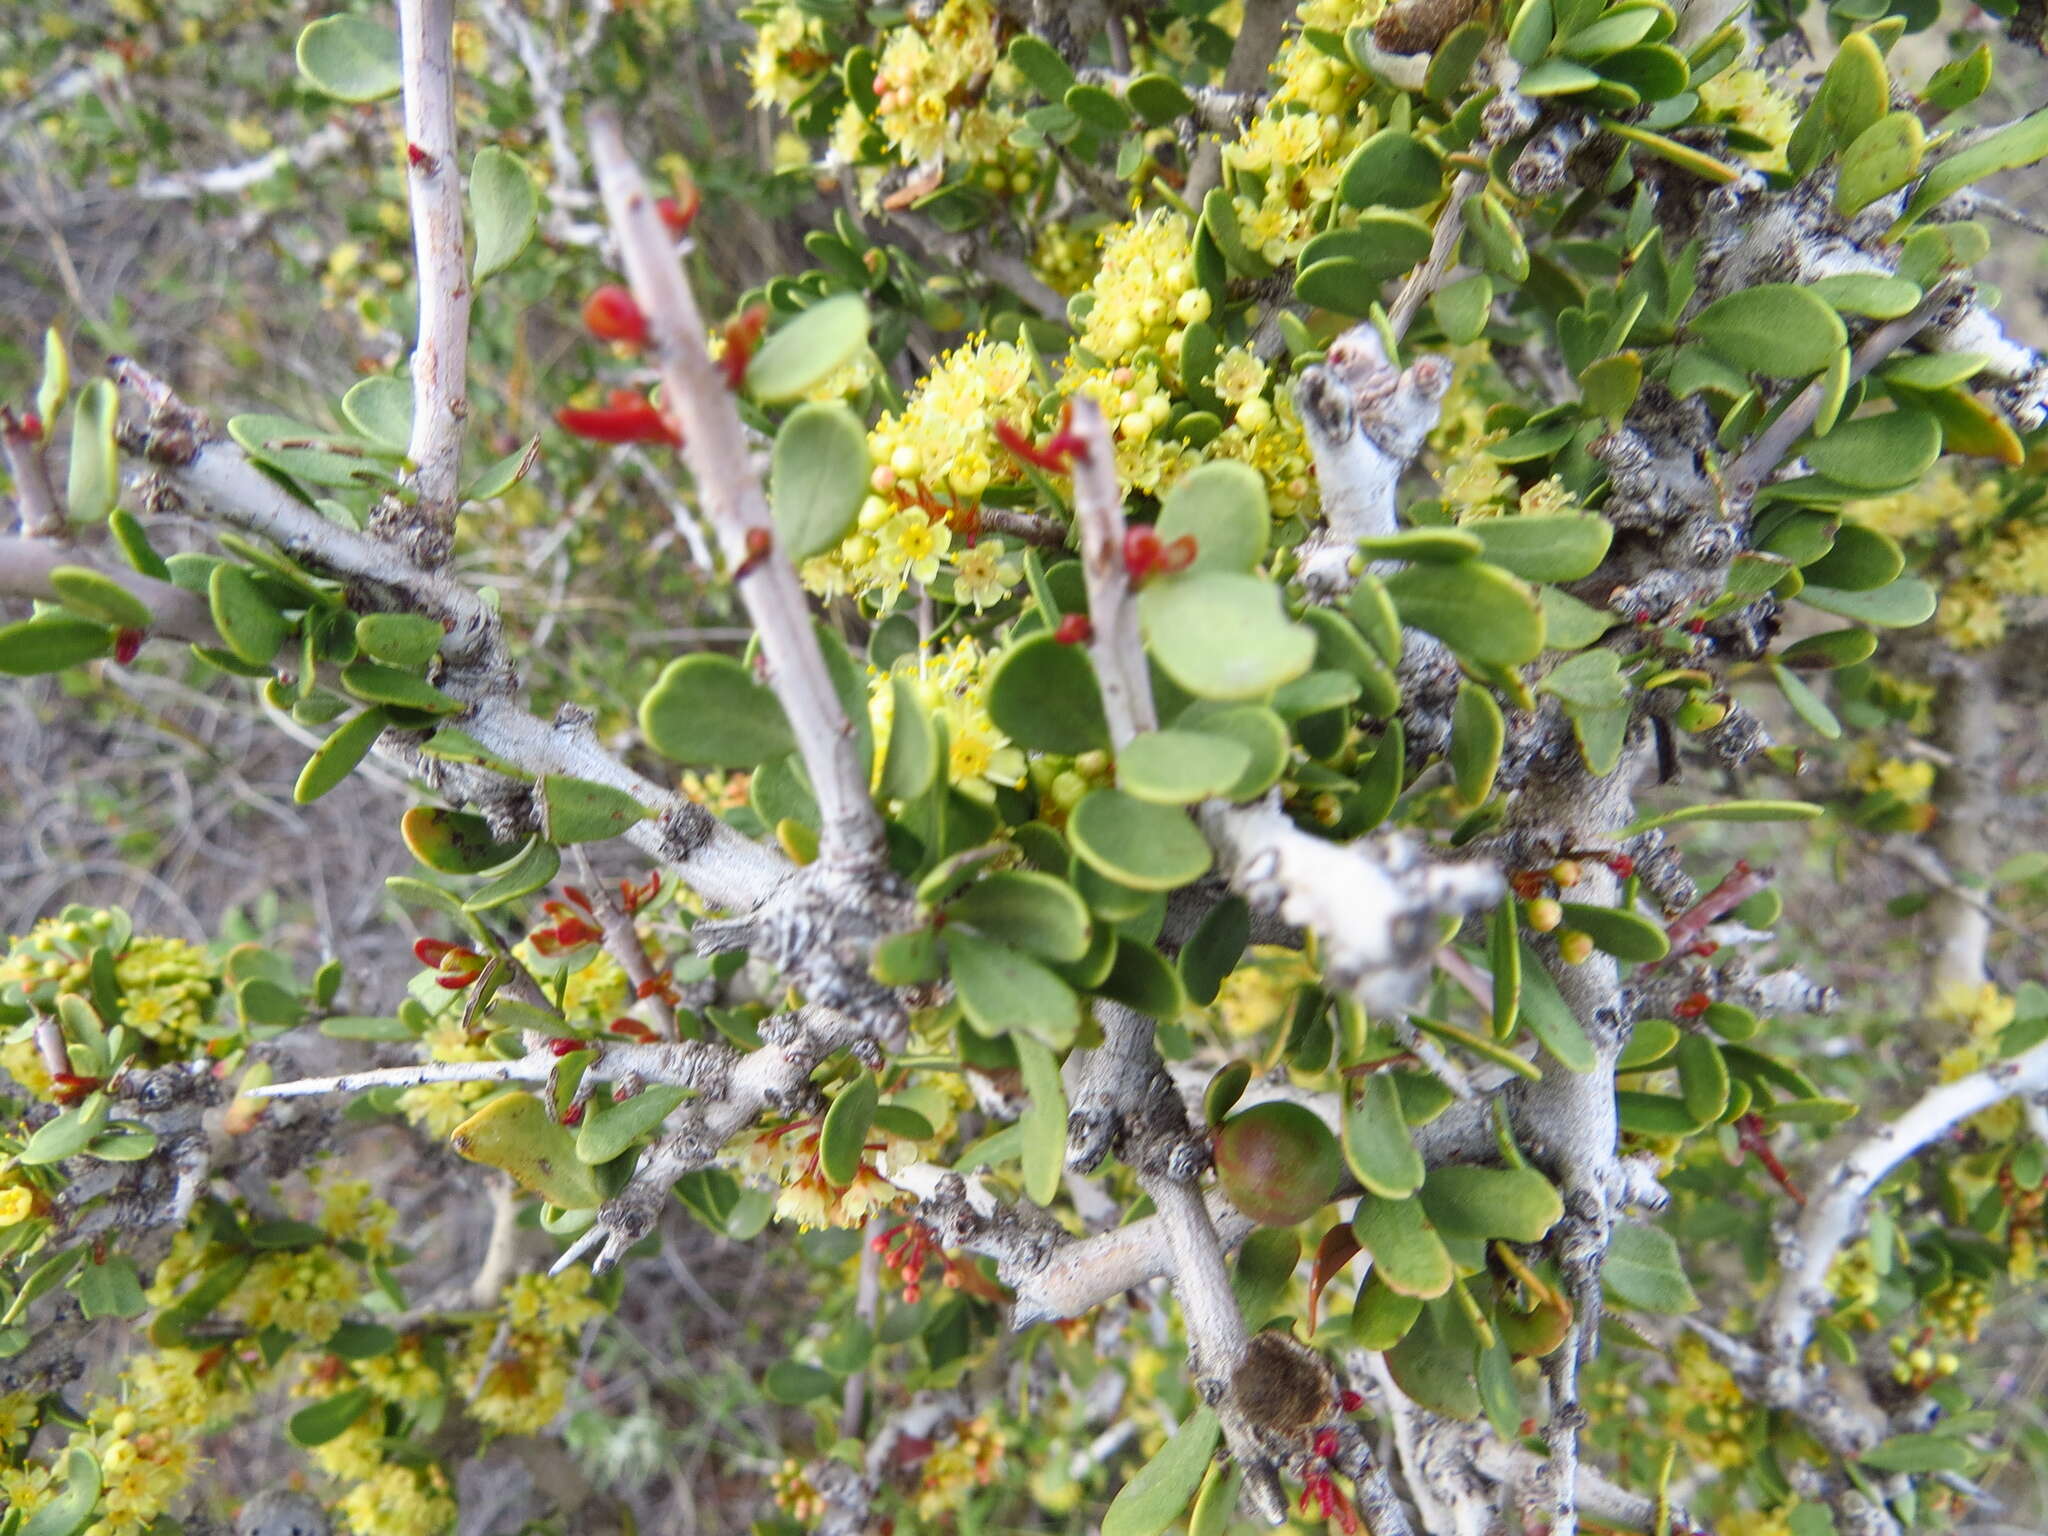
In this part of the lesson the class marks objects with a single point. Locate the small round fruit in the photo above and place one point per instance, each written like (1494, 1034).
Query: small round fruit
(1278, 1162)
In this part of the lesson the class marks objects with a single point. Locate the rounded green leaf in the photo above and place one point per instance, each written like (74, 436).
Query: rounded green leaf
(1702, 1077)
(503, 208)
(1463, 308)
(1878, 453)
(1339, 284)
(305, 453)
(1870, 294)
(579, 811)
(1860, 560)
(1147, 847)
(1213, 949)
(1643, 1271)
(454, 842)
(1226, 1087)
(350, 58)
(818, 478)
(1477, 609)
(70, 1512)
(375, 683)
(1407, 1255)
(404, 640)
(1621, 933)
(336, 757)
(251, 626)
(533, 868)
(1518, 1204)
(1393, 168)
(843, 1140)
(1159, 1493)
(1002, 991)
(1377, 1145)
(1027, 909)
(1180, 767)
(809, 349)
(911, 764)
(1141, 978)
(1777, 329)
(94, 477)
(516, 1133)
(1222, 506)
(97, 596)
(1905, 603)
(1477, 732)
(1044, 697)
(1563, 547)
(1261, 732)
(1834, 648)
(1223, 635)
(1435, 546)
(1158, 98)
(707, 709)
(1885, 156)
(381, 409)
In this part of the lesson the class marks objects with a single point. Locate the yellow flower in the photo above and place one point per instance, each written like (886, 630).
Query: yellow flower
(1971, 616)
(17, 1204)
(1746, 97)
(982, 576)
(912, 544)
(400, 1501)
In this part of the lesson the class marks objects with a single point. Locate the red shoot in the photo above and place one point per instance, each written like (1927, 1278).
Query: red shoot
(1330, 1501)
(127, 644)
(679, 213)
(431, 951)
(633, 897)
(1142, 552)
(565, 1046)
(1326, 1444)
(416, 156)
(633, 1029)
(32, 425)
(611, 314)
(1622, 865)
(69, 1087)
(573, 1115)
(1694, 1006)
(1696, 627)
(627, 419)
(1059, 452)
(1749, 1132)
(1529, 883)
(741, 337)
(580, 897)
(759, 542)
(1075, 629)
(1351, 1401)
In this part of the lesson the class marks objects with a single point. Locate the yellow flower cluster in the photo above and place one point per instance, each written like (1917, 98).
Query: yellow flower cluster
(1939, 502)
(350, 1212)
(1971, 615)
(1705, 1411)
(307, 1292)
(1870, 769)
(437, 1108)
(787, 1156)
(1145, 278)
(522, 1375)
(950, 681)
(1853, 1282)
(400, 1501)
(789, 55)
(929, 108)
(1287, 167)
(1065, 257)
(1983, 1011)
(168, 986)
(793, 1491)
(17, 1200)
(1256, 996)
(969, 1460)
(1746, 98)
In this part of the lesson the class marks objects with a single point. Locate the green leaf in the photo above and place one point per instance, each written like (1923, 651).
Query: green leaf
(1213, 950)
(1222, 505)
(1223, 634)
(1878, 453)
(1147, 847)
(843, 1140)
(51, 642)
(1003, 992)
(70, 1512)
(1905, 603)
(1918, 1453)
(1178, 767)
(1040, 63)
(1043, 695)
(1477, 731)
(253, 629)
(1463, 308)
(2018, 144)
(308, 454)
(707, 709)
(1518, 1204)
(1608, 386)
(500, 475)
(1140, 978)
(809, 349)
(1029, 910)
(1777, 329)
(109, 1289)
(1438, 546)
(1622, 933)
(515, 1132)
(404, 640)
(97, 596)
(1393, 169)
(55, 385)
(1407, 1255)
(1260, 732)
(534, 868)
(905, 958)
(1806, 704)
(68, 1134)
(94, 481)
(1885, 156)
(911, 764)
(792, 1382)
(1158, 99)
(1702, 1078)
(1726, 810)
(503, 207)
(1550, 1017)
(1377, 1145)
(818, 478)
(375, 683)
(381, 409)
(1159, 1493)
(336, 757)
(1381, 1316)
(1871, 294)
(579, 811)
(1044, 1123)
(350, 58)
(1643, 1271)
(1477, 609)
(1219, 219)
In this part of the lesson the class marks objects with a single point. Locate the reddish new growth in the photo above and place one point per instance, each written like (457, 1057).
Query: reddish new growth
(1147, 555)
(633, 1029)
(1059, 451)
(127, 644)
(568, 931)
(1075, 629)
(1329, 1500)
(1694, 1006)
(565, 1046)
(633, 897)
(458, 967)
(1750, 1134)
(905, 1249)
(741, 337)
(759, 542)
(629, 418)
(679, 213)
(415, 156)
(1529, 883)
(70, 1087)
(611, 314)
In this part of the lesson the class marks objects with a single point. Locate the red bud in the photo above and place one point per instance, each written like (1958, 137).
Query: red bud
(1075, 629)
(612, 314)
(126, 645)
(628, 419)
(680, 213)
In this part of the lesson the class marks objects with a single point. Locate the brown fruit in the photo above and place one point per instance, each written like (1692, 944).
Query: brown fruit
(1278, 1162)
